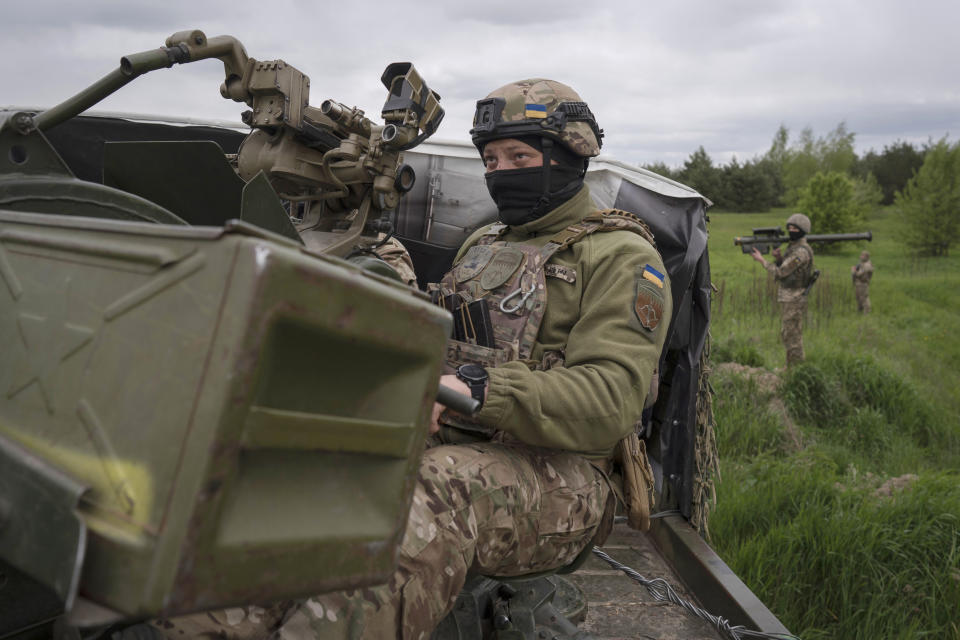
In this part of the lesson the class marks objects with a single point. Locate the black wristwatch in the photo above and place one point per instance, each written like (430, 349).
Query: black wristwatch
(476, 378)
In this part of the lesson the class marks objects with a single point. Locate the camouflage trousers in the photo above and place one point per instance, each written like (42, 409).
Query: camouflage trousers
(791, 329)
(862, 290)
(489, 508)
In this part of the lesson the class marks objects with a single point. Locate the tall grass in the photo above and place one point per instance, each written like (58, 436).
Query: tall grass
(854, 402)
(833, 559)
(759, 429)
(840, 496)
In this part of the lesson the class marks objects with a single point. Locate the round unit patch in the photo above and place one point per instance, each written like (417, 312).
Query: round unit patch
(473, 263)
(503, 265)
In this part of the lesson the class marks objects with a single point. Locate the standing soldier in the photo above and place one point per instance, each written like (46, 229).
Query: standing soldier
(792, 271)
(862, 272)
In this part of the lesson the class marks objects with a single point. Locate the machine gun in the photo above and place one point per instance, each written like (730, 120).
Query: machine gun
(348, 170)
(127, 487)
(765, 238)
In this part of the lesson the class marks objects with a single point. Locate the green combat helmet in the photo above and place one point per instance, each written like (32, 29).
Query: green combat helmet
(800, 221)
(537, 107)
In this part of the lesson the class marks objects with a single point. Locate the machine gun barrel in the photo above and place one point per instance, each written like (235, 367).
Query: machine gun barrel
(181, 48)
(763, 242)
(131, 67)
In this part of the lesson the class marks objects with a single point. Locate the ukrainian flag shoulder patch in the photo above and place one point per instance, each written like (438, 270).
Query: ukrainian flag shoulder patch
(535, 111)
(654, 276)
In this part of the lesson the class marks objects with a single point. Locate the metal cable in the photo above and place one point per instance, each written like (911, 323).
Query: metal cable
(661, 590)
(653, 516)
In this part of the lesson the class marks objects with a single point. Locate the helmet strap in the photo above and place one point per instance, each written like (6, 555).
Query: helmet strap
(544, 201)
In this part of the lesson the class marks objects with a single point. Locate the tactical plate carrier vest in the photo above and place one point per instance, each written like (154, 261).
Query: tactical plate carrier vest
(511, 278)
(800, 277)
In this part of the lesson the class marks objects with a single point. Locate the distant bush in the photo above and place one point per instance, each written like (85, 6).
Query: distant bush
(832, 203)
(892, 168)
(930, 203)
(751, 186)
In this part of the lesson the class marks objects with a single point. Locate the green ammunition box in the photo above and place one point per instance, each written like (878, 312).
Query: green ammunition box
(197, 417)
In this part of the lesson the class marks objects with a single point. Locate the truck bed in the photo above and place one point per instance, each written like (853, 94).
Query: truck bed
(620, 607)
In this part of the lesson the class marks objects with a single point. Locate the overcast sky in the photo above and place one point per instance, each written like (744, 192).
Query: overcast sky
(662, 78)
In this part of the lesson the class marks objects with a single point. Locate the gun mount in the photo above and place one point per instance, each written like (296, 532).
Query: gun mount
(180, 373)
(766, 238)
(347, 170)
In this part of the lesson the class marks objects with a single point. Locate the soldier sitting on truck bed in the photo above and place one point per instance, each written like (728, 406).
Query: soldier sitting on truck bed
(561, 314)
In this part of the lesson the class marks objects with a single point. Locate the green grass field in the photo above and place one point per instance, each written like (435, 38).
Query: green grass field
(839, 503)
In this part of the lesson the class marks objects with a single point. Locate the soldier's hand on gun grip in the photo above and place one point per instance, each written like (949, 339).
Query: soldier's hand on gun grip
(776, 253)
(755, 254)
(457, 385)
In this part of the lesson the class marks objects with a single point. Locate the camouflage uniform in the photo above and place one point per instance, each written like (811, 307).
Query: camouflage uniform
(491, 508)
(396, 255)
(238, 623)
(862, 273)
(792, 272)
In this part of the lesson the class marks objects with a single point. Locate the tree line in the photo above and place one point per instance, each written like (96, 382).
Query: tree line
(826, 179)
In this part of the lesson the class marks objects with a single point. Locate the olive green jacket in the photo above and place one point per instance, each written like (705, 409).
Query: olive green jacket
(595, 399)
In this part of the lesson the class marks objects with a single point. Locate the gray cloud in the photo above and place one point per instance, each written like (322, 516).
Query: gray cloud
(662, 78)
(512, 14)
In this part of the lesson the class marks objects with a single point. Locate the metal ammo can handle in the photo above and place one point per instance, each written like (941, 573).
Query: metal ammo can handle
(456, 401)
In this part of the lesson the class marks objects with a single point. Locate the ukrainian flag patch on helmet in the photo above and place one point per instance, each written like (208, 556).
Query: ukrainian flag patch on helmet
(654, 276)
(535, 111)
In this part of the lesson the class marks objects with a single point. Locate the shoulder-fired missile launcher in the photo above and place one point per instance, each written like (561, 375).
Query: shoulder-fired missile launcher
(766, 238)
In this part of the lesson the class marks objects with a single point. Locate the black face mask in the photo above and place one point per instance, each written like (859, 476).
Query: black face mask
(520, 195)
(795, 235)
